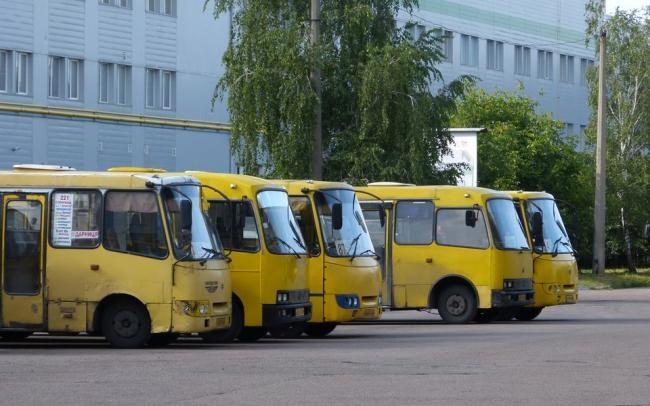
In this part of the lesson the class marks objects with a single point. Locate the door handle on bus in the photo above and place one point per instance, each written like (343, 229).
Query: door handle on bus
(429, 260)
(94, 267)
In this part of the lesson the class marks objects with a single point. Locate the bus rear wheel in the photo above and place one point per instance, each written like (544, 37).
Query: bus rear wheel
(236, 325)
(317, 330)
(528, 313)
(15, 335)
(250, 334)
(457, 304)
(290, 331)
(126, 324)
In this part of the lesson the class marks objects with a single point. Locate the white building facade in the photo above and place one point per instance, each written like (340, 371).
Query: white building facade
(511, 44)
(99, 83)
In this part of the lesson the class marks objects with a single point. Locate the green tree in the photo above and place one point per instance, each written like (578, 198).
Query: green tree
(627, 127)
(381, 118)
(524, 150)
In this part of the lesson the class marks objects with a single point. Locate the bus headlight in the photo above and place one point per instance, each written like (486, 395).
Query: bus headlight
(193, 308)
(282, 297)
(348, 301)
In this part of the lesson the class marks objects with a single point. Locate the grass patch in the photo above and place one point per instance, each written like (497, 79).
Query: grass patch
(615, 279)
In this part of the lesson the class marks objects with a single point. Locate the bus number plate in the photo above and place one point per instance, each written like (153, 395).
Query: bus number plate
(300, 311)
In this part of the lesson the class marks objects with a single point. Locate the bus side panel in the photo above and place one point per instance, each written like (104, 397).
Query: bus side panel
(316, 288)
(66, 316)
(246, 286)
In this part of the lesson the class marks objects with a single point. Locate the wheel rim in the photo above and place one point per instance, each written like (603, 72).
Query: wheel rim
(126, 324)
(456, 305)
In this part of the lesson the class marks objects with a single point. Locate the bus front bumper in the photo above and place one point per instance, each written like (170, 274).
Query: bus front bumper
(512, 298)
(279, 315)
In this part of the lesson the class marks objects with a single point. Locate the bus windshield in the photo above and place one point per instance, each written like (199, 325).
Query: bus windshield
(507, 230)
(280, 229)
(353, 238)
(556, 238)
(198, 242)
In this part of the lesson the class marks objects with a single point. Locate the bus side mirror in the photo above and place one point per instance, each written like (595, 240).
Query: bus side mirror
(186, 215)
(337, 216)
(470, 218)
(537, 230)
(382, 217)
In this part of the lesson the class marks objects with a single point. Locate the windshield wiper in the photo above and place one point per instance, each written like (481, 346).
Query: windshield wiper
(216, 254)
(371, 252)
(278, 239)
(556, 246)
(296, 236)
(355, 241)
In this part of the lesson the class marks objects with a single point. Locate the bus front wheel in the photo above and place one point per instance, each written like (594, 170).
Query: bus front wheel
(126, 324)
(14, 335)
(457, 304)
(319, 329)
(528, 313)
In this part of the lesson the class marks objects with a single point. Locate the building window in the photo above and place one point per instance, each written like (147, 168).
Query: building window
(468, 50)
(522, 60)
(4, 71)
(568, 129)
(448, 45)
(65, 78)
(585, 64)
(164, 7)
(74, 79)
(566, 68)
(22, 72)
(160, 89)
(114, 83)
(494, 55)
(117, 3)
(545, 65)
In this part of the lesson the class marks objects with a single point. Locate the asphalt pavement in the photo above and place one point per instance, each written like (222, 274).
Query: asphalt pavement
(596, 352)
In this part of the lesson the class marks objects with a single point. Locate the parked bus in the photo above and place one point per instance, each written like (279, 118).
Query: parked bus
(124, 255)
(555, 276)
(344, 275)
(460, 250)
(269, 259)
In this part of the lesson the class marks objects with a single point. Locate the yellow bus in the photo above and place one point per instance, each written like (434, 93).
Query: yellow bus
(269, 260)
(124, 255)
(555, 276)
(459, 250)
(344, 275)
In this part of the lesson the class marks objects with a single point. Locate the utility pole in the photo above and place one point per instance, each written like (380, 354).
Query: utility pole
(314, 77)
(598, 267)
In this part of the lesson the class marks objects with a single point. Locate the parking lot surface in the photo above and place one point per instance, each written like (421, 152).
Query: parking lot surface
(595, 352)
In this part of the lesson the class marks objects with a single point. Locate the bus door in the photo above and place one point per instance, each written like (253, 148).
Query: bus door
(22, 270)
(412, 255)
(382, 241)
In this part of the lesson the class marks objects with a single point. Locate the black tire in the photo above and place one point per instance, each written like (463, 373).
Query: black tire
(486, 315)
(228, 335)
(15, 336)
(162, 339)
(528, 313)
(316, 330)
(126, 324)
(457, 304)
(290, 331)
(250, 334)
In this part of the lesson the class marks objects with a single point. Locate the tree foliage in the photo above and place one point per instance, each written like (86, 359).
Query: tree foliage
(627, 127)
(524, 150)
(381, 118)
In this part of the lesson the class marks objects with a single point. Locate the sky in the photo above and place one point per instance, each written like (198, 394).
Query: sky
(625, 4)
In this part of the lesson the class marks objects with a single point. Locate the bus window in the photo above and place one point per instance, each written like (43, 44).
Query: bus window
(22, 249)
(245, 236)
(414, 224)
(302, 211)
(452, 229)
(132, 224)
(76, 217)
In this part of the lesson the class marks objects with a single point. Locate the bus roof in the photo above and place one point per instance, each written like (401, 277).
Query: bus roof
(526, 195)
(295, 186)
(27, 176)
(232, 185)
(460, 193)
